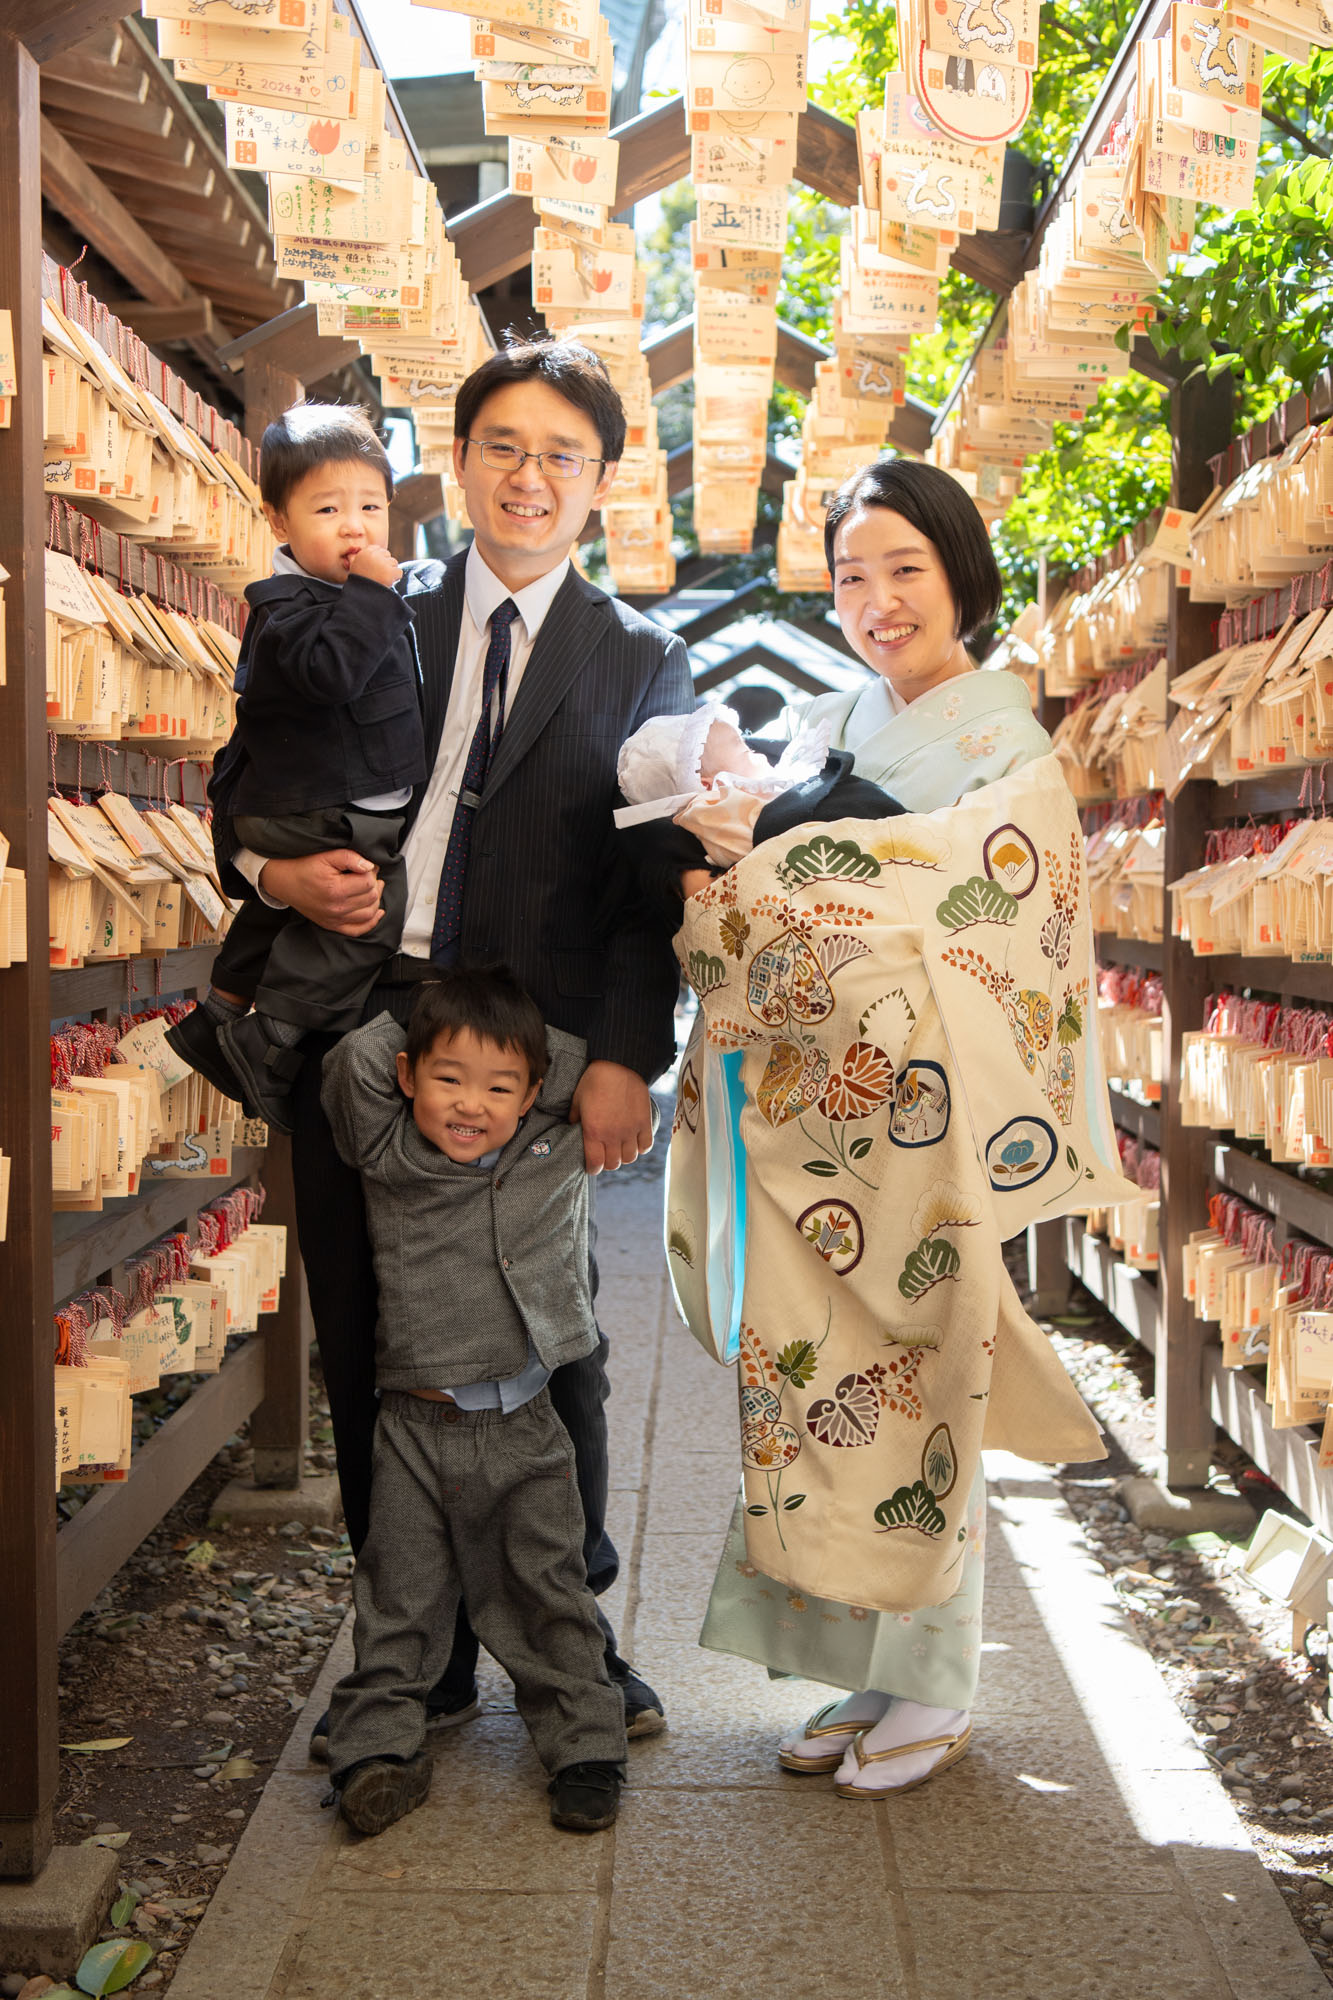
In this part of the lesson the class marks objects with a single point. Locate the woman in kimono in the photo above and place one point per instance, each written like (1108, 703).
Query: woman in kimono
(914, 577)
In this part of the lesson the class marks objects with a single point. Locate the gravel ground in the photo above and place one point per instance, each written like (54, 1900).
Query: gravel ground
(1222, 1648)
(200, 1651)
(206, 1643)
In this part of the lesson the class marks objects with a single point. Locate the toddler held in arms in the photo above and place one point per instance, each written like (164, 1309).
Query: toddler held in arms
(702, 772)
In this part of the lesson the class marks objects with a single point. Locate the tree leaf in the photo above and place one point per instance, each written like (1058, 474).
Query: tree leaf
(100, 1743)
(123, 1908)
(105, 1840)
(109, 1967)
(234, 1768)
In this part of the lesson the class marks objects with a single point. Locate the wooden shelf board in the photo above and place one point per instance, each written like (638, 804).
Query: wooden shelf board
(1143, 952)
(1291, 1457)
(91, 1547)
(1143, 1120)
(1278, 1189)
(87, 1244)
(1282, 976)
(118, 985)
(1129, 1296)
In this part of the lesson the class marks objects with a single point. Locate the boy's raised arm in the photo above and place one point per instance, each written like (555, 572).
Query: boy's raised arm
(360, 1090)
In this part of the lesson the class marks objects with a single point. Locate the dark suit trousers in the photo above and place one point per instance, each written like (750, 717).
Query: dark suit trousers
(335, 1247)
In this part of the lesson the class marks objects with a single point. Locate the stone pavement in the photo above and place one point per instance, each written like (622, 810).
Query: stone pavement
(1082, 1851)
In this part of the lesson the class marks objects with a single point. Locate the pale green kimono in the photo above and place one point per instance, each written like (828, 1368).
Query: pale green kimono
(965, 734)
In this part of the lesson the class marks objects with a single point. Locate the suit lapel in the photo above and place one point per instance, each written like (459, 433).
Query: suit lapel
(441, 621)
(570, 629)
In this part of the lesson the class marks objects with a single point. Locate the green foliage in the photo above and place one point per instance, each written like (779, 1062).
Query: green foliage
(1078, 46)
(665, 259)
(1254, 294)
(1095, 481)
(110, 1967)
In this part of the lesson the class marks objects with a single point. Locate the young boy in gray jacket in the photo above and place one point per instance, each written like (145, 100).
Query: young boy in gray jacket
(476, 1197)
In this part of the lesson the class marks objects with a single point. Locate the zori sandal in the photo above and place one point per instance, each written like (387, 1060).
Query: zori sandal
(953, 1747)
(841, 1736)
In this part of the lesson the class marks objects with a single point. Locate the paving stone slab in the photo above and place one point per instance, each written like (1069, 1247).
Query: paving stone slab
(1086, 1944)
(382, 1945)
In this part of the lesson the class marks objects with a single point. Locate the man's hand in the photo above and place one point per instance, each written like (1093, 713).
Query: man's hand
(614, 1107)
(693, 880)
(376, 564)
(339, 891)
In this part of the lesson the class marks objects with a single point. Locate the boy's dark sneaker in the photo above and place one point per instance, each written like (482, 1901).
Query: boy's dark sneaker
(373, 1794)
(643, 1708)
(585, 1798)
(195, 1041)
(266, 1070)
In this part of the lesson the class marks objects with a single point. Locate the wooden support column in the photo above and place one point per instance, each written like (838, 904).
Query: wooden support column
(268, 392)
(1201, 415)
(278, 1426)
(28, 1721)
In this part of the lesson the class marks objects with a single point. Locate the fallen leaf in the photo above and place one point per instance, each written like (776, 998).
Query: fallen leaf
(392, 1874)
(123, 1908)
(100, 1743)
(237, 1767)
(200, 1556)
(105, 1840)
(109, 1968)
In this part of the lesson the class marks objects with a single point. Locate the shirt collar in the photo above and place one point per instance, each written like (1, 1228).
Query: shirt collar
(285, 564)
(485, 593)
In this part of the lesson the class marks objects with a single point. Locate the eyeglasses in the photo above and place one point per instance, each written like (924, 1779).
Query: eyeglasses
(508, 458)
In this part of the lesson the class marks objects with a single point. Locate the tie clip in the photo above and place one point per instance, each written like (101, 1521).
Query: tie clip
(469, 799)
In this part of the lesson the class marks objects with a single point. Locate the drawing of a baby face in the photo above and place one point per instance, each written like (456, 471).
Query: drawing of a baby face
(748, 81)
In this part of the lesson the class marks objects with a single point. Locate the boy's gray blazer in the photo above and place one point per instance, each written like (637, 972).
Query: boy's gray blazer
(470, 1261)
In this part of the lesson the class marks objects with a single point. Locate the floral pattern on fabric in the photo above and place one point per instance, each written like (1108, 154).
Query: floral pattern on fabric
(872, 1076)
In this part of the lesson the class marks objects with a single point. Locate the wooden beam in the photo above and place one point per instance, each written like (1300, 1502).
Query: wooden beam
(197, 174)
(670, 355)
(174, 322)
(50, 27)
(138, 125)
(495, 237)
(1200, 426)
(28, 1662)
(826, 156)
(91, 208)
(291, 342)
(97, 76)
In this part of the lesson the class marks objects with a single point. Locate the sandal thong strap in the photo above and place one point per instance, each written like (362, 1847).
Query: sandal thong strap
(864, 1756)
(817, 1726)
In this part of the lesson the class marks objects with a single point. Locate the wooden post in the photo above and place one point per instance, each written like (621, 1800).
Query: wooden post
(278, 1425)
(1200, 428)
(28, 1722)
(268, 392)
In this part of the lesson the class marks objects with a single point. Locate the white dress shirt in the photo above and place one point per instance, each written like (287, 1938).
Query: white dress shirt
(426, 843)
(425, 846)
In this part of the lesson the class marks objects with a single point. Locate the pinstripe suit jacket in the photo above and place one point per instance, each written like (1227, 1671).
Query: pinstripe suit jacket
(550, 890)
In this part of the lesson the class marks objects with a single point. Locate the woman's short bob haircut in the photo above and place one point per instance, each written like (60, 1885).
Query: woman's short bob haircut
(938, 508)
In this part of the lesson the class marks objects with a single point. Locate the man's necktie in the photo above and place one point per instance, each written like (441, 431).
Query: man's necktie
(494, 680)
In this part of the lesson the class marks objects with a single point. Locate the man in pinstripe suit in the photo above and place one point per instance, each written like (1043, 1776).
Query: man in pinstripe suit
(546, 890)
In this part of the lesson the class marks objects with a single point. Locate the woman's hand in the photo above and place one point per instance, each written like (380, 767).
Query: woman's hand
(339, 891)
(693, 880)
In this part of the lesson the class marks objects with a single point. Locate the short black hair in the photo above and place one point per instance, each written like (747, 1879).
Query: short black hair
(939, 508)
(489, 1001)
(313, 434)
(573, 371)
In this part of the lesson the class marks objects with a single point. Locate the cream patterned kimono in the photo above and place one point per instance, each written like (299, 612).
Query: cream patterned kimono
(911, 999)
